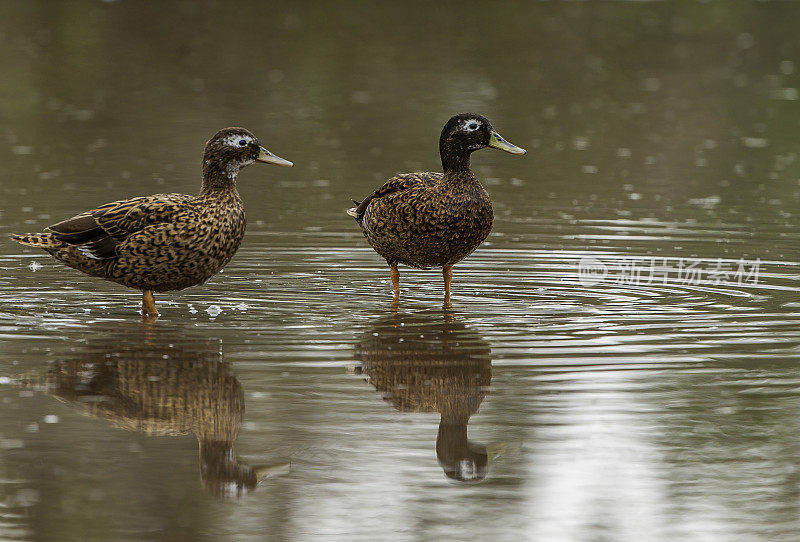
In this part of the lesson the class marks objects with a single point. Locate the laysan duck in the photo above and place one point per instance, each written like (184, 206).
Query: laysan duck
(431, 219)
(163, 242)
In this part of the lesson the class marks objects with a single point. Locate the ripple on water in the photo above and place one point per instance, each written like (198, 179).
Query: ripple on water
(531, 304)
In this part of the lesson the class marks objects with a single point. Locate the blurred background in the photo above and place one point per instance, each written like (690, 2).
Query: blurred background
(290, 399)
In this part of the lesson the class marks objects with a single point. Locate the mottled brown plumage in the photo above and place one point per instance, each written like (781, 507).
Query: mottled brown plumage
(428, 219)
(163, 242)
(432, 219)
(433, 363)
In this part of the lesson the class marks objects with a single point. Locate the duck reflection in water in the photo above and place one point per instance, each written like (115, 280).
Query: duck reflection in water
(431, 362)
(159, 384)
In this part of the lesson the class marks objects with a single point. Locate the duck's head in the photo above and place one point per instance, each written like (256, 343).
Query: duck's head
(226, 477)
(232, 149)
(460, 459)
(466, 133)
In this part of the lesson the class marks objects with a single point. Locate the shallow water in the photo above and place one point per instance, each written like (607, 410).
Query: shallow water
(621, 359)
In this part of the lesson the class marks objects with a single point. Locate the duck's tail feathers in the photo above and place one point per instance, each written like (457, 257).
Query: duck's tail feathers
(38, 240)
(353, 211)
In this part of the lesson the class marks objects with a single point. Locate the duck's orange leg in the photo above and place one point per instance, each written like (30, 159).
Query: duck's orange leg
(447, 274)
(149, 305)
(395, 274)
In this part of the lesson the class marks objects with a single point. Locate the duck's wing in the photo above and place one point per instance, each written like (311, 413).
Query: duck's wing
(98, 232)
(398, 183)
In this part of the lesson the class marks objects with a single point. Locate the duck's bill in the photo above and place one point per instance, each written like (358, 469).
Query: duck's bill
(268, 158)
(496, 141)
(270, 471)
(503, 448)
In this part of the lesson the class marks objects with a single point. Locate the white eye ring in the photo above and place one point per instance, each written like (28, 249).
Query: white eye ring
(237, 140)
(471, 126)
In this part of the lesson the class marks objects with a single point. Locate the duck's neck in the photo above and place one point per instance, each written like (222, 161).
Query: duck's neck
(452, 438)
(218, 177)
(455, 164)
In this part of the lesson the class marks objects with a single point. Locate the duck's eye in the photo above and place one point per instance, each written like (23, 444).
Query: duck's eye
(472, 126)
(242, 142)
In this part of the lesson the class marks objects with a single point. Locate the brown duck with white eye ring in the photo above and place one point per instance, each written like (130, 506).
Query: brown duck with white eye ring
(163, 242)
(431, 219)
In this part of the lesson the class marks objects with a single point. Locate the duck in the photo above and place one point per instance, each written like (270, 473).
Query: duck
(163, 242)
(431, 219)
